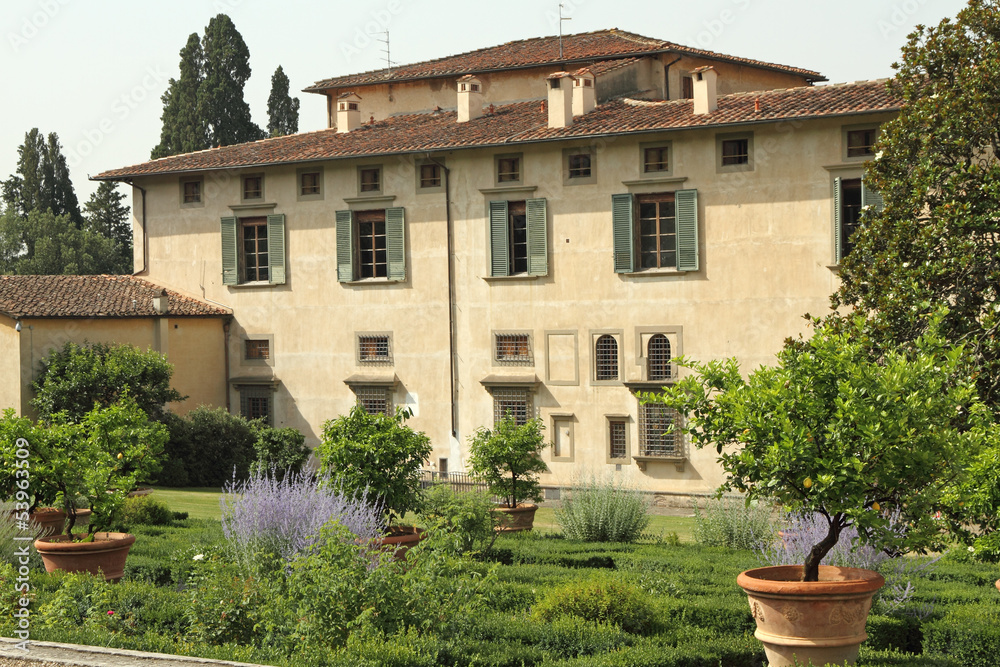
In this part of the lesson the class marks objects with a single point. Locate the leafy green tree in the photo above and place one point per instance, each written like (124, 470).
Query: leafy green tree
(107, 216)
(75, 378)
(184, 130)
(220, 97)
(282, 109)
(936, 167)
(508, 459)
(42, 181)
(43, 243)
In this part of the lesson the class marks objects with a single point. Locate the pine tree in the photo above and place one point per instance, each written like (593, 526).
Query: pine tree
(107, 216)
(183, 129)
(220, 98)
(282, 109)
(42, 181)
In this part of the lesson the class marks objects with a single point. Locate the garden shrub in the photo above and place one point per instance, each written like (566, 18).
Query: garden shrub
(611, 510)
(225, 604)
(211, 445)
(465, 513)
(142, 510)
(968, 634)
(733, 523)
(367, 648)
(278, 450)
(599, 599)
(899, 633)
(724, 615)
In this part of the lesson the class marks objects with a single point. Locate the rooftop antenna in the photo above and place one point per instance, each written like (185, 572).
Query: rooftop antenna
(388, 61)
(561, 19)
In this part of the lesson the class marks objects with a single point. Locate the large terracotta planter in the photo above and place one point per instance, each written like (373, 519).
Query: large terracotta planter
(106, 554)
(401, 539)
(822, 621)
(513, 519)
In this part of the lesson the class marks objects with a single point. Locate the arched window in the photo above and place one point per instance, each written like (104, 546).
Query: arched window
(606, 358)
(658, 358)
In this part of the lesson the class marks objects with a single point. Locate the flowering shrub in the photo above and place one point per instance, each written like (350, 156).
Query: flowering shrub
(283, 515)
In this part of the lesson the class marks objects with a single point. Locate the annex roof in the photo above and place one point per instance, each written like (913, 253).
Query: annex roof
(523, 123)
(94, 296)
(540, 51)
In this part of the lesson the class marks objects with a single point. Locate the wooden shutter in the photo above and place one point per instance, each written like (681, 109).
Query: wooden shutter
(395, 243)
(538, 238)
(345, 246)
(230, 267)
(838, 221)
(687, 229)
(871, 199)
(499, 259)
(276, 248)
(623, 231)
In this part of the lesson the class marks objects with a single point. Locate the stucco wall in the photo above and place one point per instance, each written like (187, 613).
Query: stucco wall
(765, 253)
(10, 367)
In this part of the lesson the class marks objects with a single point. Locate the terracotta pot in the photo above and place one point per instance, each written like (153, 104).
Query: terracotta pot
(822, 621)
(106, 554)
(401, 538)
(50, 521)
(513, 519)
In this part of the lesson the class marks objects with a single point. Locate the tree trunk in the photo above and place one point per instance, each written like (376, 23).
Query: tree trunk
(810, 571)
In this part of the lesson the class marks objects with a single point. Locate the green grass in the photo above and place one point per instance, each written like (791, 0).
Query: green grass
(199, 503)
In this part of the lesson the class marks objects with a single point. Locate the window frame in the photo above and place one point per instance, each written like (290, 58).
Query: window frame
(497, 173)
(245, 339)
(512, 394)
(362, 192)
(846, 132)
(515, 360)
(596, 335)
(243, 188)
(568, 155)
(299, 176)
(721, 140)
(421, 189)
(625, 421)
(378, 392)
(233, 257)
(626, 253)
(500, 220)
(183, 183)
(265, 391)
(869, 198)
(645, 449)
(667, 146)
(674, 335)
(348, 246)
(258, 223)
(556, 420)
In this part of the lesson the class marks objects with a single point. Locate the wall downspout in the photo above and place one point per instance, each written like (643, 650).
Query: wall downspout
(666, 77)
(145, 237)
(225, 354)
(453, 370)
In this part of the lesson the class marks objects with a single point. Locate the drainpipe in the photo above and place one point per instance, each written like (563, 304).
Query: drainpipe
(225, 355)
(145, 238)
(666, 77)
(453, 370)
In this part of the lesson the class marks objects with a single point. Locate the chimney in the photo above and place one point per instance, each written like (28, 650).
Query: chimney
(560, 99)
(348, 112)
(161, 303)
(706, 95)
(584, 95)
(470, 98)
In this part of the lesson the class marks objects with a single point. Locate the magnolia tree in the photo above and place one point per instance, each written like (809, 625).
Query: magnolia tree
(833, 431)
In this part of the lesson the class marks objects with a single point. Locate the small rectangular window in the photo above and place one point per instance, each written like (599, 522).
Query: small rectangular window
(192, 192)
(861, 143)
(512, 348)
(579, 165)
(375, 400)
(687, 88)
(430, 176)
(443, 466)
(253, 187)
(256, 402)
(371, 179)
(656, 160)
(617, 439)
(373, 348)
(735, 151)
(656, 435)
(513, 403)
(850, 212)
(309, 183)
(257, 349)
(508, 170)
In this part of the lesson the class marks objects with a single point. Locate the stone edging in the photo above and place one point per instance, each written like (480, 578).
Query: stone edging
(99, 656)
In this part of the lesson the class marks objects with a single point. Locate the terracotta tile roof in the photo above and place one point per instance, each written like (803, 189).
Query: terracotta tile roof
(526, 122)
(540, 51)
(93, 296)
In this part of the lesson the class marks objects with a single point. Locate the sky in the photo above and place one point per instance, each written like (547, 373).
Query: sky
(93, 71)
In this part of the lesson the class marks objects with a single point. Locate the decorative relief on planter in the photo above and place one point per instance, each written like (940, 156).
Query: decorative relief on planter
(756, 612)
(848, 614)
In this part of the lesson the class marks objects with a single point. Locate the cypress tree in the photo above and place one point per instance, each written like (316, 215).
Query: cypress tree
(183, 129)
(282, 109)
(42, 181)
(220, 98)
(107, 216)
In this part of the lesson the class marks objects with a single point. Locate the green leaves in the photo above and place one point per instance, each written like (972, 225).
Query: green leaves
(507, 458)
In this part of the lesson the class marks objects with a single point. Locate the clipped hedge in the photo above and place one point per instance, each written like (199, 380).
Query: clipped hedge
(968, 634)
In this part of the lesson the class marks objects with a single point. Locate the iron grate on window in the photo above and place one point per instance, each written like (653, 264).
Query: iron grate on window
(658, 358)
(375, 400)
(373, 348)
(513, 348)
(606, 358)
(255, 402)
(619, 444)
(258, 349)
(513, 402)
(656, 437)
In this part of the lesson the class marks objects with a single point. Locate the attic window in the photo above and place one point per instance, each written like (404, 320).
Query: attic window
(352, 106)
(474, 87)
(556, 83)
(586, 83)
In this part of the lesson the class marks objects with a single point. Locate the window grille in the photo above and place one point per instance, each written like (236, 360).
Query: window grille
(255, 402)
(513, 348)
(658, 358)
(375, 400)
(513, 402)
(606, 358)
(258, 349)
(373, 348)
(655, 435)
(619, 443)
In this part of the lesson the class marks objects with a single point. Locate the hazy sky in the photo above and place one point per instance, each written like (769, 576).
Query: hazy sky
(93, 71)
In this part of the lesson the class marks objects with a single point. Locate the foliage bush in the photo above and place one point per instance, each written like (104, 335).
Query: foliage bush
(378, 455)
(508, 459)
(733, 523)
(75, 378)
(466, 513)
(278, 450)
(599, 599)
(610, 510)
(142, 510)
(968, 634)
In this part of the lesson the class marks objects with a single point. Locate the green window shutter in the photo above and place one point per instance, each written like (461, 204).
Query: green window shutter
(499, 265)
(230, 268)
(838, 221)
(395, 243)
(538, 237)
(276, 248)
(687, 229)
(871, 199)
(623, 227)
(345, 246)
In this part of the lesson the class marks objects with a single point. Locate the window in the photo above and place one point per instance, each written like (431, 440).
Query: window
(253, 250)
(518, 238)
(734, 152)
(579, 165)
(443, 466)
(512, 348)
(606, 358)
(374, 348)
(513, 402)
(655, 231)
(371, 244)
(861, 143)
(508, 169)
(309, 183)
(851, 197)
(369, 179)
(191, 192)
(656, 159)
(687, 88)
(256, 402)
(658, 365)
(253, 187)
(430, 176)
(376, 400)
(257, 349)
(656, 437)
(617, 439)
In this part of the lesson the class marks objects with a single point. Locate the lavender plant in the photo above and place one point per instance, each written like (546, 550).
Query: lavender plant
(282, 514)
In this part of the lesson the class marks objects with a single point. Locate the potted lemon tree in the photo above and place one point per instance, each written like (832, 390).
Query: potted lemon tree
(508, 459)
(851, 434)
